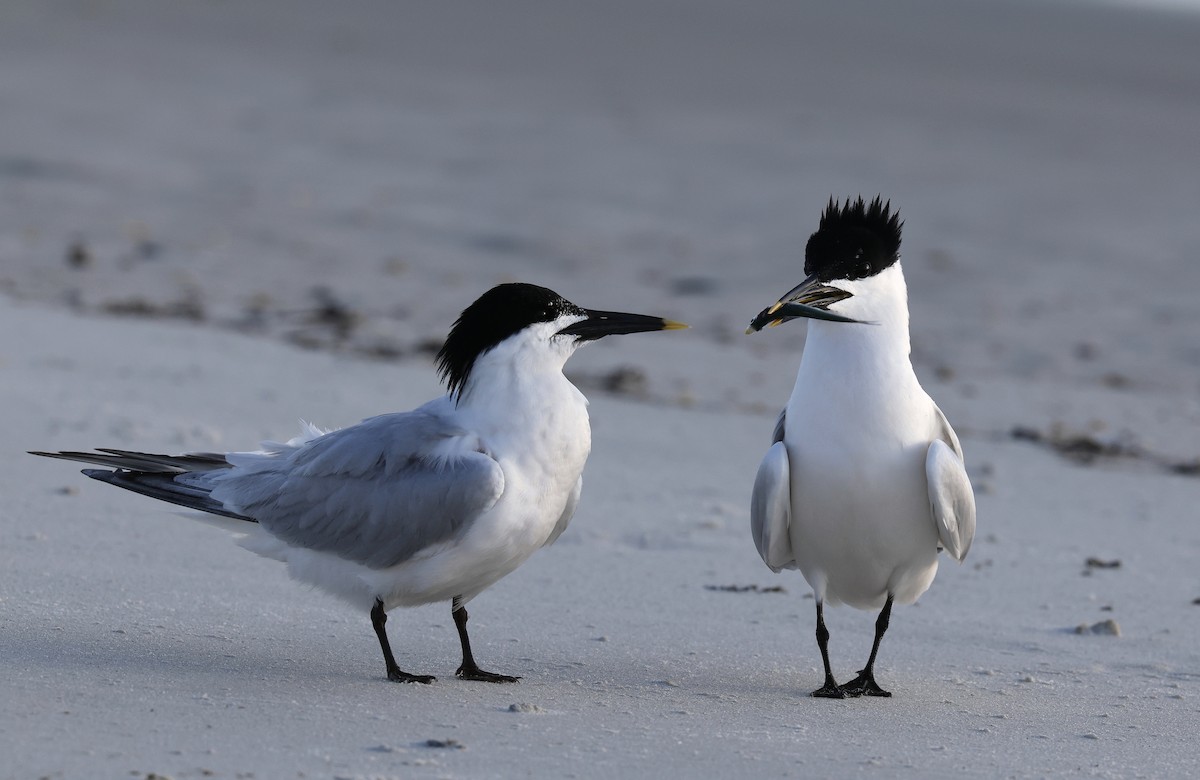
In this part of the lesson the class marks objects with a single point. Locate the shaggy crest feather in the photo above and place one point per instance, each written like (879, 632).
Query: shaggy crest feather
(853, 241)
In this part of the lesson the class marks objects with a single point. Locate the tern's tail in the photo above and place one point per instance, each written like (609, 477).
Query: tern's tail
(178, 479)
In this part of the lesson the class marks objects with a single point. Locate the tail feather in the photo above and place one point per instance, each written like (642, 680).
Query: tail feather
(157, 476)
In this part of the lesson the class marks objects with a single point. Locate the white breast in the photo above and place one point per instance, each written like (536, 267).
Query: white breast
(858, 428)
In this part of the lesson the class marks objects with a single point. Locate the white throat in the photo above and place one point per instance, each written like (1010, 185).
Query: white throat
(517, 388)
(881, 303)
(864, 363)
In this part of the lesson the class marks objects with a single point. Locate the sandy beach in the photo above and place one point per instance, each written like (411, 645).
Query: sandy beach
(217, 219)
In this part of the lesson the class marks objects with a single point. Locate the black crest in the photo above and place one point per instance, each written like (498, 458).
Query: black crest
(853, 241)
(500, 312)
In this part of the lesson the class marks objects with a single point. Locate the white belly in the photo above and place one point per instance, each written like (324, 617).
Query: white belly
(861, 524)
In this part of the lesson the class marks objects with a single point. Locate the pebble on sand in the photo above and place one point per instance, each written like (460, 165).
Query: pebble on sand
(1103, 628)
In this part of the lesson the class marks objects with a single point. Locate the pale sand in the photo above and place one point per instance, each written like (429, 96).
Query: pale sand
(658, 157)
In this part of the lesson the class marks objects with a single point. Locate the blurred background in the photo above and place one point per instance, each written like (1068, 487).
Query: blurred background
(351, 175)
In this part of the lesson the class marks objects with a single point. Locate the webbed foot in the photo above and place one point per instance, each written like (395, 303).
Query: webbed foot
(475, 673)
(864, 685)
(395, 675)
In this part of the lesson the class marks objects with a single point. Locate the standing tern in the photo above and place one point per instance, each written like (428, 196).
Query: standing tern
(864, 482)
(416, 507)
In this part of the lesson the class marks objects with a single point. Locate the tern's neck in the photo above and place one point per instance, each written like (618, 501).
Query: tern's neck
(520, 383)
(528, 412)
(880, 343)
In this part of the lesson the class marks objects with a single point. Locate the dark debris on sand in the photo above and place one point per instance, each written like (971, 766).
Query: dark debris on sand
(746, 588)
(1087, 450)
(447, 744)
(187, 307)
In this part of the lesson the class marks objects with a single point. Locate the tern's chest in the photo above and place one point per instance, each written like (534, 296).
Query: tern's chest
(856, 432)
(860, 400)
(541, 441)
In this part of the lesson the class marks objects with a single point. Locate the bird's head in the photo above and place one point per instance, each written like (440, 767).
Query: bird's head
(844, 261)
(527, 317)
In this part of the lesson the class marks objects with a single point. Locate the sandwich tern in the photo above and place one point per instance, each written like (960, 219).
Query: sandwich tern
(864, 482)
(423, 506)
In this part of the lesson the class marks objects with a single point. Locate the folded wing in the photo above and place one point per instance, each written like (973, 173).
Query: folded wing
(376, 493)
(951, 497)
(771, 509)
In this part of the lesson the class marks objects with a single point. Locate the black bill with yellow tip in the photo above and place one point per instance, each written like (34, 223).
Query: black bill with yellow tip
(808, 300)
(611, 323)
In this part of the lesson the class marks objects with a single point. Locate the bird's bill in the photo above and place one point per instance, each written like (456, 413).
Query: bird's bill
(611, 323)
(809, 300)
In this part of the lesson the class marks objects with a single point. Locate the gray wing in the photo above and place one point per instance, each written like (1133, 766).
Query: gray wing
(951, 497)
(771, 509)
(946, 433)
(780, 426)
(376, 493)
(567, 514)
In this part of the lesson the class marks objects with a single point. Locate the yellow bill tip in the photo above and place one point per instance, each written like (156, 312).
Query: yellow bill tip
(752, 329)
(673, 325)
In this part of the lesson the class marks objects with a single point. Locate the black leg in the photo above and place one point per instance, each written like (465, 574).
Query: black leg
(378, 620)
(830, 689)
(864, 684)
(469, 669)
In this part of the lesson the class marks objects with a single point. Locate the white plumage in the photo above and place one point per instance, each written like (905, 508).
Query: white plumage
(865, 481)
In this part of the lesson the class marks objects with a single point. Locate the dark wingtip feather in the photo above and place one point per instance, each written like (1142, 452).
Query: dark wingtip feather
(155, 475)
(150, 463)
(164, 487)
(191, 461)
